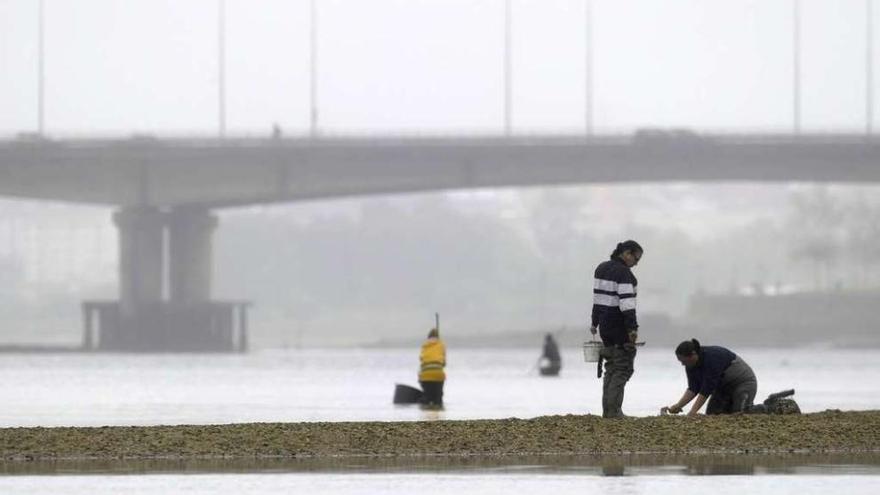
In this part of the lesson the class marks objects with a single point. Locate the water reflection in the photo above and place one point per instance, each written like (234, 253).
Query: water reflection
(614, 469)
(431, 414)
(727, 468)
(632, 465)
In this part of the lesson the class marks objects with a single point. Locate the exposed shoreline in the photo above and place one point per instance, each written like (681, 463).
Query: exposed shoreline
(830, 433)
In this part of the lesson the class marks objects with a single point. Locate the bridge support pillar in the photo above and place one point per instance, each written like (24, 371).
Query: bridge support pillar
(141, 257)
(143, 319)
(190, 254)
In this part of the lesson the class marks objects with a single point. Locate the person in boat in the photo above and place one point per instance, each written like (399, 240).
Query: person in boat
(716, 374)
(551, 361)
(614, 318)
(432, 375)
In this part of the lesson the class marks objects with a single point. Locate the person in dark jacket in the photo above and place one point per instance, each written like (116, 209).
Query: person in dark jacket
(614, 319)
(551, 361)
(716, 374)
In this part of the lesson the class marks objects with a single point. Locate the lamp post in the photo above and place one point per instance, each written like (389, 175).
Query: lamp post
(588, 64)
(507, 68)
(869, 67)
(313, 69)
(40, 70)
(796, 65)
(221, 68)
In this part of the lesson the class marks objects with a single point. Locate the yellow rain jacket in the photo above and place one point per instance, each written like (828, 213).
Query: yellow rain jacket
(433, 359)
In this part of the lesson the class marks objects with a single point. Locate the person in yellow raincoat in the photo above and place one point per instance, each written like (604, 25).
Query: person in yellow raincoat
(431, 374)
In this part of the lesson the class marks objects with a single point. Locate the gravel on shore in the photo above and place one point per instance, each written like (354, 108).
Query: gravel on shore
(825, 432)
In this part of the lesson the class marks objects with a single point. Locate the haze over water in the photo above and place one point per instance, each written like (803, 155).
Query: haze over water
(358, 384)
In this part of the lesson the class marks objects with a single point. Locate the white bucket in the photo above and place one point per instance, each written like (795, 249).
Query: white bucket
(591, 351)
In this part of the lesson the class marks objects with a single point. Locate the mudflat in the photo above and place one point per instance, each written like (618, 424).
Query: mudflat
(829, 432)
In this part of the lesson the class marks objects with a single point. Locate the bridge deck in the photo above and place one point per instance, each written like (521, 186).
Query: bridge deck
(231, 172)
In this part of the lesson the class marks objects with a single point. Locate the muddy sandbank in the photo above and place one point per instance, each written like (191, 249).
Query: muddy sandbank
(829, 432)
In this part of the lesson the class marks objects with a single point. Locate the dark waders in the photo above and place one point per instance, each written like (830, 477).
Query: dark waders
(433, 393)
(618, 370)
(737, 389)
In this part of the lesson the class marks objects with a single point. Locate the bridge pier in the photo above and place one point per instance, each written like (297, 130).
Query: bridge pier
(144, 319)
(190, 254)
(141, 256)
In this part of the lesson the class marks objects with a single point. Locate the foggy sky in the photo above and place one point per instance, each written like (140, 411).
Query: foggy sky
(117, 67)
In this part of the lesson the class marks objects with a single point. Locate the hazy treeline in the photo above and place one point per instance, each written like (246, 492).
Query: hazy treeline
(363, 270)
(383, 269)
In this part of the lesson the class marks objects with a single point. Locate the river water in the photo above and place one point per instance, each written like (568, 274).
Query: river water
(358, 384)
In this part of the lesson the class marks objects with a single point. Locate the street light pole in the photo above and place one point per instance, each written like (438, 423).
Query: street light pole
(40, 70)
(796, 64)
(869, 67)
(221, 68)
(313, 69)
(588, 73)
(507, 68)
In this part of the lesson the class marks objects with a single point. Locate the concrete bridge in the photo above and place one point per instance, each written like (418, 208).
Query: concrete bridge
(166, 189)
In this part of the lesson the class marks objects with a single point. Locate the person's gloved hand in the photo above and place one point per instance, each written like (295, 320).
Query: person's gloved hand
(593, 329)
(670, 410)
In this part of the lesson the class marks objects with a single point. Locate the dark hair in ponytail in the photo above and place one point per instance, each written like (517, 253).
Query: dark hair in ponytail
(688, 347)
(630, 245)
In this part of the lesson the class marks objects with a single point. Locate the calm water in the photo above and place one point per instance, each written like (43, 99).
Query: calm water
(454, 484)
(351, 384)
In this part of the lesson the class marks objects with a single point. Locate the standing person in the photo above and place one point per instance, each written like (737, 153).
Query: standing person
(717, 374)
(614, 318)
(551, 361)
(431, 374)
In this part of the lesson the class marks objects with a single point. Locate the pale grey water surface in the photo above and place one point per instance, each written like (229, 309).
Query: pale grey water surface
(357, 384)
(855, 473)
(452, 483)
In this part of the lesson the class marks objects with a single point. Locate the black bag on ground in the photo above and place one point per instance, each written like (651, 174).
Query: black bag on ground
(404, 394)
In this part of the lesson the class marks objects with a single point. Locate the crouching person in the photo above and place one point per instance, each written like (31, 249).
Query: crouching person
(716, 374)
